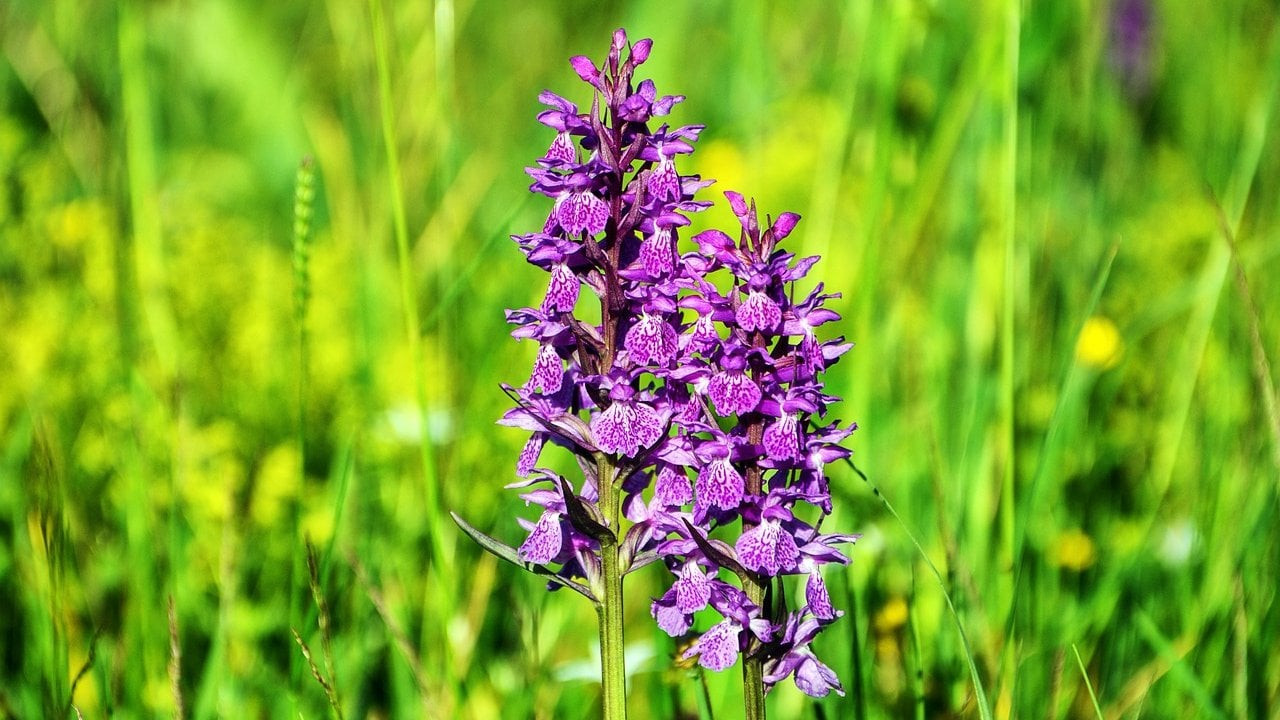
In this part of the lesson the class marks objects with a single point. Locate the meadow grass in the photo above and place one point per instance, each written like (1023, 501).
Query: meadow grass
(232, 427)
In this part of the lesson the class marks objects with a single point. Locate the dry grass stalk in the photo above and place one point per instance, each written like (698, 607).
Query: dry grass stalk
(175, 663)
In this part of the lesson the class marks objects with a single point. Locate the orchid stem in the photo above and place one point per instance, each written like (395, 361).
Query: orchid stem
(612, 651)
(753, 667)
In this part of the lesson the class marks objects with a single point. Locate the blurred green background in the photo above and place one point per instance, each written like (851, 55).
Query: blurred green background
(1055, 227)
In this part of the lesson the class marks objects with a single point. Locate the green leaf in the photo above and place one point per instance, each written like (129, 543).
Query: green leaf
(581, 518)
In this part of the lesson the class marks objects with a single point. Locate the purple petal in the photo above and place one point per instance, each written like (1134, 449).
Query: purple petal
(671, 620)
(815, 594)
(581, 211)
(703, 336)
(657, 253)
(713, 242)
(544, 541)
(717, 649)
(783, 226)
(624, 428)
(692, 589)
(562, 150)
(767, 548)
(652, 340)
(815, 679)
(548, 374)
(663, 105)
(758, 312)
(733, 392)
(719, 485)
(640, 51)
(801, 268)
(672, 488)
(529, 455)
(664, 181)
(737, 202)
(635, 109)
(647, 90)
(562, 292)
(782, 439)
(546, 97)
(586, 70)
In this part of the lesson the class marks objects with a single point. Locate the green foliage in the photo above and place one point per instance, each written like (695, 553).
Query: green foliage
(1061, 381)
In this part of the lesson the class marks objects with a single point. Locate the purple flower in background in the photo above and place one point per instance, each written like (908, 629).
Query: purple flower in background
(1131, 45)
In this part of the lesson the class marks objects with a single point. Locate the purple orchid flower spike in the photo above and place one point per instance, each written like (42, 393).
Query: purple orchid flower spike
(753, 363)
(685, 378)
(617, 196)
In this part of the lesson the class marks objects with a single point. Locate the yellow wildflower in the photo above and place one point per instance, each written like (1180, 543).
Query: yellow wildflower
(1074, 550)
(1100, 345)
(892, 616)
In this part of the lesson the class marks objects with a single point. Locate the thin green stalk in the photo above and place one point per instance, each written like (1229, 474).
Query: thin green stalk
(753, 667)
(304, 194)
(612, 650)
(149, 277)
(753, 686)
(1007, 335)
(1087, 685)
(705, 711)
(980, 693)
(918, 672)
(440, 559)
(1009, 163)
(855, 651)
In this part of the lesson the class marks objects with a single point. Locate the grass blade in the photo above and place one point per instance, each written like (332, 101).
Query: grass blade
(984, 706)
(1097, 709)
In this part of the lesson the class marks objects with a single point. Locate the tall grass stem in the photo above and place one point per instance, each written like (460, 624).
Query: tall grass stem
(441, 565)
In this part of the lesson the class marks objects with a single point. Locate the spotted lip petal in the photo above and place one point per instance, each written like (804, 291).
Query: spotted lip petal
(733, 393)
(562, 150)
(692, 589)
(581, 212)
(717, 648)
(562, 292)
(652, 340)
(758, 312)
(544, 541)
(782, 439)
(548, 374)
(626, 428)
(672, 488)
(529, 455)
(657, 253)
(719, 485)
(768, 549)
(664, 181)
(819, 601)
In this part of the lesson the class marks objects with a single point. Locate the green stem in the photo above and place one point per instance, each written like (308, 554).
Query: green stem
(753, 667)
(752, 584)
(612, 651)
(441, 563)
(1008, 335)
